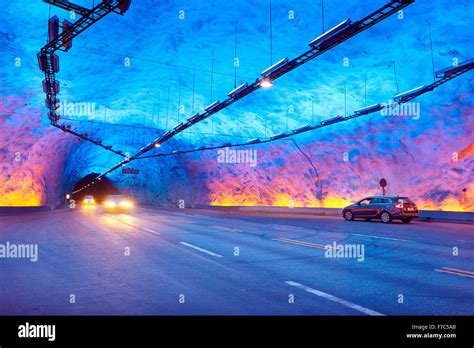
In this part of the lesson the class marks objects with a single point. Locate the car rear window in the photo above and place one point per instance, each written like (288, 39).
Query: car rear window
(405, 200)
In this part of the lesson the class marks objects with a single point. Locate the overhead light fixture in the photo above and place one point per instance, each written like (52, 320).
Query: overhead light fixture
(341, 27)
(193, 118)
(178, 126)
(266, 83)
(412, 93)
(235, 92)
(157, 145)
(278, 136)
(302, 129)
(331, 120)
(253, 141)
(278, 65)
(368, 109)
(454, 69)
(212, 106)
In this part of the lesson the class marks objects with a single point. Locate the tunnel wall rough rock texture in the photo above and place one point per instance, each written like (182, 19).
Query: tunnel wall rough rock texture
(420, 163)
(31, 156)
(157, 74)
(158, 183)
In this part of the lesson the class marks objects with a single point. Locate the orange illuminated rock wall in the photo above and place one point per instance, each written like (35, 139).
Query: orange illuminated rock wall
(430, 160)
(31, 156)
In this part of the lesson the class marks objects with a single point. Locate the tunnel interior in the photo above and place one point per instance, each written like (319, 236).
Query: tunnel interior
(129, 106)
(99, 190)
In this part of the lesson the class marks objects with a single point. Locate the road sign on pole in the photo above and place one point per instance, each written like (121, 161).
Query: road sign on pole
(383, 184)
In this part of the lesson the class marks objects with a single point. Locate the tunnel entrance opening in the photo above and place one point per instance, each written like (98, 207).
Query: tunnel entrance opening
(99, 190)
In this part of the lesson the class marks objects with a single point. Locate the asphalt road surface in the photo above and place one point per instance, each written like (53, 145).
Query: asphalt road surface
(204, 262)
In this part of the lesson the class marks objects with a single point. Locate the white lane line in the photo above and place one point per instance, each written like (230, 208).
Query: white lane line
(378, 237)
(302, 243)
(150, 231)
(286, 227)
(465, 241)
(201, 249)
(334, 298)
(223, 228)
(186, 221)
(456, 271)
(138, 227)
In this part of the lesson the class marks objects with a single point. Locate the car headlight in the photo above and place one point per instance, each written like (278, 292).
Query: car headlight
(126, 204)
(110, 204)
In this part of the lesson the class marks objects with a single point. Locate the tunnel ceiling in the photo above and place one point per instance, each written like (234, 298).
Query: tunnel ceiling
(162, 61)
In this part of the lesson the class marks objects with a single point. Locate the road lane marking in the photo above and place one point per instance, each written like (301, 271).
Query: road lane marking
(459, 270)
(455, 271)
(286, 227)
(465, 241)
(185, 221)
(137, 226)
(150, 231)
(222, 228)
(334, 298)
(378, 237)
(201, 249)
(302, 243)
(127, 223)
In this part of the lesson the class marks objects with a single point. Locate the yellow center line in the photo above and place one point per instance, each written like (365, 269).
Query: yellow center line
(302, 243)
(454, 273)
(222, 228)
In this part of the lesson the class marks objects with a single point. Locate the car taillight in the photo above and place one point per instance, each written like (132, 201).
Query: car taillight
(398, 205)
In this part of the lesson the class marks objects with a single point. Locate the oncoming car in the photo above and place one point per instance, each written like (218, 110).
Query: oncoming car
(385, 208)
(89, 200)
(117, 203)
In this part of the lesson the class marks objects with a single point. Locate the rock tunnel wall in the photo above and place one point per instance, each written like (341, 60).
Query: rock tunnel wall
(429, 158)
(40, 164)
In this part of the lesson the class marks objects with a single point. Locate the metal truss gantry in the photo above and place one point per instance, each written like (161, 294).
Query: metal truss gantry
(337, 119)
(326, 42)
(49, 61)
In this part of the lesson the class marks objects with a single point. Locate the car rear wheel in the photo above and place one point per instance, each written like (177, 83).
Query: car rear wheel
(348, 215)
(386, 217)
(406, 220)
